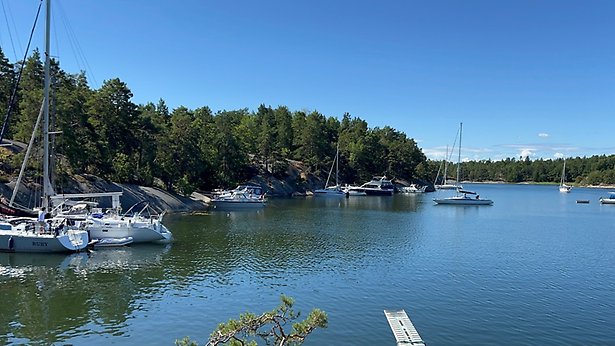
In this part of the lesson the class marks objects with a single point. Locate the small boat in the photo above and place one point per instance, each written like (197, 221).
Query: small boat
(562, 185)
(378, 186)
(413, 188)
(243, 197)
(608, 200)
(353, 191)
(111, 242)
(336, 190)
(582, 201)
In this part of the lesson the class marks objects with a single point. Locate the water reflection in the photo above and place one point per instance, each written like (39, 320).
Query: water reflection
(53, 296)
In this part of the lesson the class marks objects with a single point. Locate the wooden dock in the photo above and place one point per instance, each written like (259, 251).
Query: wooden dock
(402, 328)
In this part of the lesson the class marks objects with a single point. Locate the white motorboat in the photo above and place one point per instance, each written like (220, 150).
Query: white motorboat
(462, 197)
(413, 188)
(243, 197)
(336, 190)
(353, 191)
(378, 186)
(562, 185)
(608, 200)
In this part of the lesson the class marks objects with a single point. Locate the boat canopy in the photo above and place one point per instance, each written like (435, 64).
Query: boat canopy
(467, 192)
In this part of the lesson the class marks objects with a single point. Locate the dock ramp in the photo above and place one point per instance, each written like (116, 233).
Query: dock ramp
(402, 328)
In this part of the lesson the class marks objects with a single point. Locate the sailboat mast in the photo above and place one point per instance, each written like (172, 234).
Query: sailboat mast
(459, 156)
(46, 181)
(337, 162)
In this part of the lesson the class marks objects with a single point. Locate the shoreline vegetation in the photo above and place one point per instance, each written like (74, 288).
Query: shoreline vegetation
(104, 134)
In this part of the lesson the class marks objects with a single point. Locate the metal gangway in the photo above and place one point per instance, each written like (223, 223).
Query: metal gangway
(402, 328)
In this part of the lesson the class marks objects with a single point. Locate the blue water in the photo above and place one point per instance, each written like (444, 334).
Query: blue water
(536, 268)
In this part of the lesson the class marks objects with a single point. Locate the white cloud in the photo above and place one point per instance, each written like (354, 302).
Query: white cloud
(526, 152)
(558, 155)
(543, 134)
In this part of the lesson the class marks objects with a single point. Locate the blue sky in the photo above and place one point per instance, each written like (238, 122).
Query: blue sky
(530, 78)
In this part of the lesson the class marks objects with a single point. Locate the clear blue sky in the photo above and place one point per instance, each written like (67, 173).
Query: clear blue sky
(525, 77)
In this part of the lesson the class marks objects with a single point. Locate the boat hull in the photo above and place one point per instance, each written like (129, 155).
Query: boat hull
(72, 241)
(140, 232)
(234, 204)
(463, 201)
(329, 193)
(607, 200)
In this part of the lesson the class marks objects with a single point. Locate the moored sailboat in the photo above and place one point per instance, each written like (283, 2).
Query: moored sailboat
(41, 235)
(562, 185)
(336, 190)
(463, 197)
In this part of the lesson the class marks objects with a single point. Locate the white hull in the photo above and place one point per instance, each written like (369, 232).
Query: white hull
(21, 241)
(237, 204)
(565, 188)
(461, 200)
(140, 232)
(607, 200)
(448, 187)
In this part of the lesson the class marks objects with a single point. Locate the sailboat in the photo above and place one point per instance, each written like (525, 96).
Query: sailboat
(562, 185)
(336, 190)
(28, 234)
(463, 197)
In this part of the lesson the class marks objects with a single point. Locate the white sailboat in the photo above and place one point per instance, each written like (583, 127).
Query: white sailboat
(336, 190)
(463, 197)
(562, 185)
(29, 234)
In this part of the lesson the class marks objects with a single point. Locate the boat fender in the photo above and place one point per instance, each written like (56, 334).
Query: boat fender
(11, 243)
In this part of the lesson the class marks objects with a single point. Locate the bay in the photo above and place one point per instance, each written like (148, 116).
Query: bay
(536, 268)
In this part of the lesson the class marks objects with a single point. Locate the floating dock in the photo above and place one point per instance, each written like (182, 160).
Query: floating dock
(402, 328)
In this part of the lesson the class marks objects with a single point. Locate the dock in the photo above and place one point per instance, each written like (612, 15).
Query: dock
(402, 328)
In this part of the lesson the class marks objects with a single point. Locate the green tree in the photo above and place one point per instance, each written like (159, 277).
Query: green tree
(269, 326)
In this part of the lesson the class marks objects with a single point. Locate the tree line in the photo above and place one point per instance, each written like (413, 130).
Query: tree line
(106, 134)
(594, 170)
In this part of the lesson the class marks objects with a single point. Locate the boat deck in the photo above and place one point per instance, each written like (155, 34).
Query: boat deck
(402, 328)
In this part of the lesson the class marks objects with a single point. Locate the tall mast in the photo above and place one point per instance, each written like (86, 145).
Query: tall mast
(337, 162)
(47, 188)
(459, 157)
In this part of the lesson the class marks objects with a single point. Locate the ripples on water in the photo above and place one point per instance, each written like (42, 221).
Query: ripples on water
(534, 269)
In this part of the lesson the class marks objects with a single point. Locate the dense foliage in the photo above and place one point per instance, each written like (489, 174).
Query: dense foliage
(595, 170)
(106, 134)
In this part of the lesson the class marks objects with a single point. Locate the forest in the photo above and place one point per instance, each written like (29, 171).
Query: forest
(104, 133)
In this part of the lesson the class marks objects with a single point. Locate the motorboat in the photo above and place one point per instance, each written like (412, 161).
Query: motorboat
(242, 197)
(353, 191)
(378, 186)
(413, 188)
(608, 200)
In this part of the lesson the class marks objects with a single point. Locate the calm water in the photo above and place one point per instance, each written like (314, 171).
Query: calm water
(534, 269)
